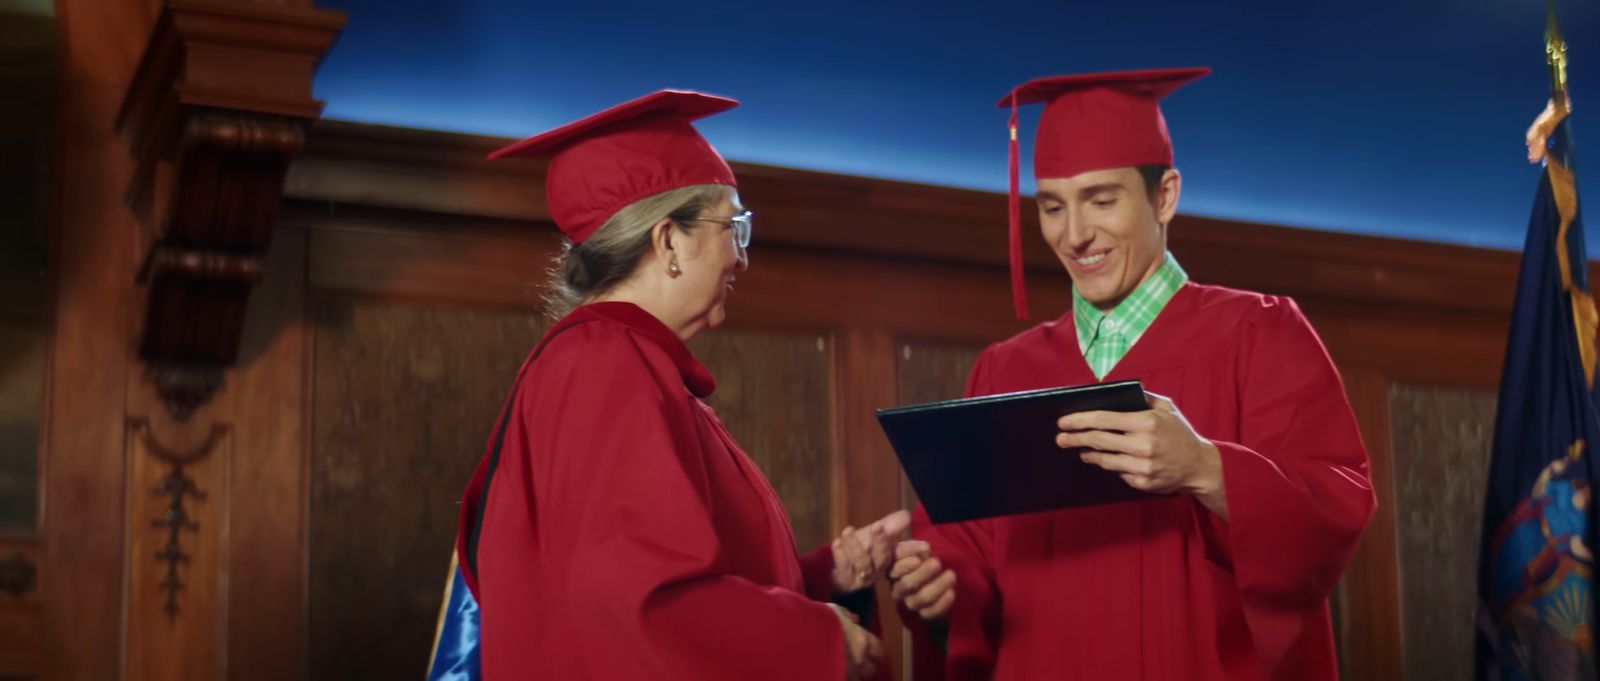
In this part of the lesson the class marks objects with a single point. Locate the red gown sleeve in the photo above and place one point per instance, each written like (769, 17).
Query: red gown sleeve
(628, 496)
(1297, 482)
(971, 632)
(817, 567)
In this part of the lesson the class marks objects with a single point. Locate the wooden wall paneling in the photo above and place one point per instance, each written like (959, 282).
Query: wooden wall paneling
(267, 401)
(802, 289)
(958, 302)
(1427, 346)
(926, 372)
(1458, 292)
(92, 262)
(1348, 267)
(932, 371)
(817, 211)
(864, 379)
(404, 398)
(356, 164)
(411, 258)
(784, 289)
(929, 373)
(1368, 598)
(772, 394)
(1441, 438)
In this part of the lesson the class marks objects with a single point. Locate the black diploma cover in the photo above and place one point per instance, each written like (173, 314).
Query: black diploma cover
(996, 455)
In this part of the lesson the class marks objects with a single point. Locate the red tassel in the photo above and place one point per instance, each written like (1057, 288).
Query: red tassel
(1019, 288)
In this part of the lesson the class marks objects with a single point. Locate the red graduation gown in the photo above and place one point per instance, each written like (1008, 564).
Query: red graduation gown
(1165, 589)
(624, 535)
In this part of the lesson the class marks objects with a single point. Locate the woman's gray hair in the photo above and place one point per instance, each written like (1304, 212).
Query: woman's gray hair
(610, 254)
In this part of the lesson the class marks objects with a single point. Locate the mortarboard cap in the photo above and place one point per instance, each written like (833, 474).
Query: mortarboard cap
(1091, 121)
(602, 163)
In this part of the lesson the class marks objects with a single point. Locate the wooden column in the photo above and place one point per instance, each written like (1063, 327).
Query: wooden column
(864, 379)
(1370, 627)
(92, 261)
(174, 542)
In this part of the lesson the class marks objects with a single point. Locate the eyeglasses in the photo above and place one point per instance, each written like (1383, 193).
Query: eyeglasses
(740, 224)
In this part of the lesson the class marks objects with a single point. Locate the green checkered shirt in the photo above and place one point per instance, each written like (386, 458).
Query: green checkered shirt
(1105, 337)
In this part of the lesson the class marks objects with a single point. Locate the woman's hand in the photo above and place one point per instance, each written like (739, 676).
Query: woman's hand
(861, 556)
(863, 652)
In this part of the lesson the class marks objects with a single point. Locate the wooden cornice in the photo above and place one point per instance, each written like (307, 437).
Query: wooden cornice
(216, 109)
(238, 58)
(356, 166)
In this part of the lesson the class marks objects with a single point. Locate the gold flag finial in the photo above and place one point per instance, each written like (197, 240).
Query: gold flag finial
(1555, 54)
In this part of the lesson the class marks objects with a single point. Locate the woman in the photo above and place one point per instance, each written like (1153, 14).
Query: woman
(614, 529)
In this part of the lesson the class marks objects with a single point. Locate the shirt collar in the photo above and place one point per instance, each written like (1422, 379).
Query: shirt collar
(1135, 313)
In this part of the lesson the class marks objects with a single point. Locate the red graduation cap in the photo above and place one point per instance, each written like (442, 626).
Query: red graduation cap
(602, 163)
(1091, 121)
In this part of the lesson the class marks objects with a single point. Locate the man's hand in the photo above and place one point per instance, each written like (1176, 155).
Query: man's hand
(924, 585)
(1154, 450)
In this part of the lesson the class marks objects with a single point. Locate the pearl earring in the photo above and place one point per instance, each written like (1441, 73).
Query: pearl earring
(672, 267)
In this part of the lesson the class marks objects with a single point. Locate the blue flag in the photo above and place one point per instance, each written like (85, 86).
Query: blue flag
(455, 644)
(1536, 562)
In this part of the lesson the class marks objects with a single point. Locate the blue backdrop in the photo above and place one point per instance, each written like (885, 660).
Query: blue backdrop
(1393, 117)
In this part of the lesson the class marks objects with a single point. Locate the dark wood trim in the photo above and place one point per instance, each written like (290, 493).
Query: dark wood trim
(92, 256)
(1373, 644)
(269, 400)
(1426, 346)
(864, 379)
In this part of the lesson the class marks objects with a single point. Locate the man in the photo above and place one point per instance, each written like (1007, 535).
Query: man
(1249, 440)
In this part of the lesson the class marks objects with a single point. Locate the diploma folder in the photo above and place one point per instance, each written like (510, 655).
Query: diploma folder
(996, 455)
